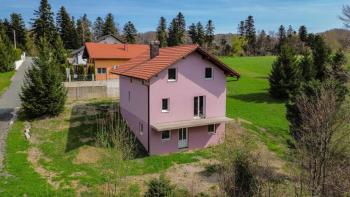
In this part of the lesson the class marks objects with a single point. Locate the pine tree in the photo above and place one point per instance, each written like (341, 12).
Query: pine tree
(250, 34)
(109, 27)
(303, 33)
(181, 25)
(43, 23)
(284, 78)
(290, 31)
(7, 53)
(60, 55)
(241, 29)
(66, 29)
(43, 92)
(172, 32)
(17, 24)
(98, 28)
(321, 53)
(209, 34)
(84, 30)
(192, 32)
(130, 32)
(306, 66)
(200, 34)
(161, 33)
(282, 37)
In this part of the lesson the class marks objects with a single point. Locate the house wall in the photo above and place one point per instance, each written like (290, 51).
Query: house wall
(110, 40)
(107, 63)
(190, 82)
(135, 111)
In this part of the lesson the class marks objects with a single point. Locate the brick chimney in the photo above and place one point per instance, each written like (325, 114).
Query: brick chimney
(154, 49)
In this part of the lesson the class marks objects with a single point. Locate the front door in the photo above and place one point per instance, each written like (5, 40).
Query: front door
(183, 138)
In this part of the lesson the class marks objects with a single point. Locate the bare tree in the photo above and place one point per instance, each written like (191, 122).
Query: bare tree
(346, 16)
(322, 146)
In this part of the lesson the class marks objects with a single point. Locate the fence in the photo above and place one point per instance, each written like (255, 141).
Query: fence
(80, 90)
(76, 77)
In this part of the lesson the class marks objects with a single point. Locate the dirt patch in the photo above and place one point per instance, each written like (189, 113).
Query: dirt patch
(34, 155)
(79, 189)
(88, 155)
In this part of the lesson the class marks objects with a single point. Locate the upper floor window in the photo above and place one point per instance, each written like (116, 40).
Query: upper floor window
(165, 105)
(209, 73)
(172, 74)
(101, 70)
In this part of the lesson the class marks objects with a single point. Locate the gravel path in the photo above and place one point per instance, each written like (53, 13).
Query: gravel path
(9, 104)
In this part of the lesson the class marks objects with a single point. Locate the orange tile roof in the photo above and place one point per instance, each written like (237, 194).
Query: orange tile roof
(114, 51)
(143, 67)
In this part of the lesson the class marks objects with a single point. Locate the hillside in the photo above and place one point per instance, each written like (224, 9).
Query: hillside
(337, 38)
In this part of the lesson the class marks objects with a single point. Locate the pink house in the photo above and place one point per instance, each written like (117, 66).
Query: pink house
(174, 98)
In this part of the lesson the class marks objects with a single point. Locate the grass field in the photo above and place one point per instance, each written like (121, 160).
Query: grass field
(249, 99)
(5, 81)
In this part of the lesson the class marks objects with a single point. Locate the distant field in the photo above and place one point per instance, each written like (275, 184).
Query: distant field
(5, 80)
(248, 98)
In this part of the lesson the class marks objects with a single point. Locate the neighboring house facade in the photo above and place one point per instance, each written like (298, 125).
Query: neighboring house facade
(77, 55)
(105, 57)
(174, 98)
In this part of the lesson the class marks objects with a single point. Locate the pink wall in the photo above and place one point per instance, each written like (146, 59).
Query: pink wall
(135, 111)
(190, 83)
(198, 137)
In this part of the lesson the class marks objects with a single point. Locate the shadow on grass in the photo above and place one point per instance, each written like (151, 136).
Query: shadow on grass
(259, 97)
(84, 125)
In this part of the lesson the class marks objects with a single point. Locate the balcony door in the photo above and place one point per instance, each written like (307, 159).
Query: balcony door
(183, 138)
(198, 107)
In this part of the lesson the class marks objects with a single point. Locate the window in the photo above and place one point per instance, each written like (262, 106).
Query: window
(198, 106)
(165, 105)
(141, 128)
(166, 135)
(172, 74)
(208, 73)
(212, 128)
(115, 66)
(130, 79)
(129, 96)
(101, 70)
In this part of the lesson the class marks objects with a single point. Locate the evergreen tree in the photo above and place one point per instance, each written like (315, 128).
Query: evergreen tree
(83, 30)
(172, 32)
(200, 34)
(66, 29)
(209, 34)
(241, 29)
(7, 53)
(6, 25)
(290, 31)
(109, 27)
(181, 25)
(60, 55)
(321, 53)
(282, 37)
(43, 23)
(17, 24)
(130, 32)
(98, 28)
(306, 66)
(303, 33)
(250, 34)
(192, 32)
(161, 33)
(43, 92)
(284, 78)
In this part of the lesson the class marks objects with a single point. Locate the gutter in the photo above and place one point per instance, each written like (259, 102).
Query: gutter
(149, 123)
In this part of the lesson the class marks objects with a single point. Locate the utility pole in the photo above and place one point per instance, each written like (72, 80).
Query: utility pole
(14, 38)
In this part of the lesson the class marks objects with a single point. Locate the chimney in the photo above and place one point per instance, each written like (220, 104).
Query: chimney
(154, 49)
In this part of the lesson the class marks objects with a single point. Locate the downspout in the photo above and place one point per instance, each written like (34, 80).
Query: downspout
(149, 123)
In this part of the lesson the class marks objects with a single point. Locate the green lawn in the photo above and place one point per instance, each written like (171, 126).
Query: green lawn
(5, 81)
(249, 99)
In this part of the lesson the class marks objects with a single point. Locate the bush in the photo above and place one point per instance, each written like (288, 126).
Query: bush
(18, 53)
(160, 187)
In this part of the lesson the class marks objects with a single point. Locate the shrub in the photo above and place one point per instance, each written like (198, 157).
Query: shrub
(160, 187)
(7, 54)
(18, 53)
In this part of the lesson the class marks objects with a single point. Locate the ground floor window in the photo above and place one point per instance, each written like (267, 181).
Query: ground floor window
(101, 70)
(166, 135)
(141, 128)
(212, 128)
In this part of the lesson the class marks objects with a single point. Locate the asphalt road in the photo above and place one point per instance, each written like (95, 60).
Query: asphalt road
(9, 104)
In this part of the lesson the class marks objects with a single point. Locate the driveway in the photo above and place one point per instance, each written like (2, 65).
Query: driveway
(9, 103)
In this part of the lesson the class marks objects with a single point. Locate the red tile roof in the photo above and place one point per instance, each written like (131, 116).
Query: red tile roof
(143, 67)
(114, 51)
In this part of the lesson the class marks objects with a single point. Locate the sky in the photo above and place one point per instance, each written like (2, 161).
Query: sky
(317, 15)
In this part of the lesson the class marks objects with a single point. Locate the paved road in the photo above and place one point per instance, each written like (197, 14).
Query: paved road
(9, 103)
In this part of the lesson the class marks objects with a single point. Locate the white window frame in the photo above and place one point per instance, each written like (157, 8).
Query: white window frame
(172, 80)
(141, 128)
(101, 73)
(166, 110)
(212, 132)
(212, 73)
(115, 66)
(165, 139)
(198, 106)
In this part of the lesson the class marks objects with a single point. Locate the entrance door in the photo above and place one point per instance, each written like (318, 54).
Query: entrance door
(183, 138)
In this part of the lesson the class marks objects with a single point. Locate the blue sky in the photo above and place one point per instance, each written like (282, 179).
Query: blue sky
(317, 15)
